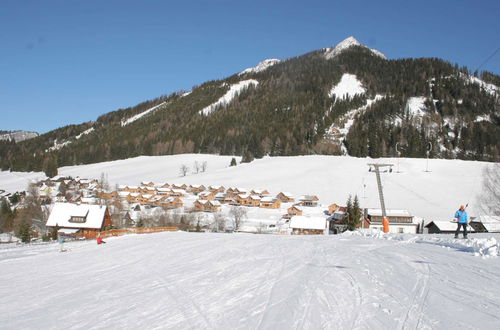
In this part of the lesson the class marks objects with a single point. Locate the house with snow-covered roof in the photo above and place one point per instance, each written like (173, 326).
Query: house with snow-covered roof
(400, 221)
(486, 223)
(302, 225)
(79, 220)
(270, 203)
(445, 227)
(308, 200)
(285, 197)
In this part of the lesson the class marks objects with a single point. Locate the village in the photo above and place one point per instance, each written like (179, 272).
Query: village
(84, 208)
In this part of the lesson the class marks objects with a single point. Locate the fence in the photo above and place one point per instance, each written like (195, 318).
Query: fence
(139, 230)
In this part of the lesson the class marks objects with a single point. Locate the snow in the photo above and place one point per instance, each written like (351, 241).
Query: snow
(58, 145)
(305, 222)
(62, 213)
(433, 195)
(488, 88)
(88, 131)
(345, 44)
(233, 92)
(262, 66)
(140, 115)
(415, 106)
(348, 86)
(242, 281)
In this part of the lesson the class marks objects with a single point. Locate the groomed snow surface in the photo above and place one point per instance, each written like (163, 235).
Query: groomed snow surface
(183, 280)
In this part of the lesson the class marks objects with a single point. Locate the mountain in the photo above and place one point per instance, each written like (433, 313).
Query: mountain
(346, 99)
(17, 136)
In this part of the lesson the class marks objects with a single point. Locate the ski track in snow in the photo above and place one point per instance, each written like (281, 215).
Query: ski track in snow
(243, 281)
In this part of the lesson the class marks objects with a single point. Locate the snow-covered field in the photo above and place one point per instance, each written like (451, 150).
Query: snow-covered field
(433, 195)
(182, 280)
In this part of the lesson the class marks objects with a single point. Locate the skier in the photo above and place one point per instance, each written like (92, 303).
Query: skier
(462, 220)
(61, 243)
(99, 239)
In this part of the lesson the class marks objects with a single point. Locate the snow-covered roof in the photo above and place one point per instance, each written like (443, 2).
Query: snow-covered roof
(490, 222)
(448, 226)
(62, 212)
(304, 222)
(389, 213)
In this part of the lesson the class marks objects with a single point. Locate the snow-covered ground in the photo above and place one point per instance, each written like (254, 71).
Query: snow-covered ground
(348, 86)
(433, 195)
(182, 280)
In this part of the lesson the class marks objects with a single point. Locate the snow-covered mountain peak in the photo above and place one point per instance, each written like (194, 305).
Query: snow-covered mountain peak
(261, 66)
(345, 44)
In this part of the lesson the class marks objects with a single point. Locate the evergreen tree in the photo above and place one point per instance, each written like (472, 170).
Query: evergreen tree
(355, 217)
(233, 162)
(23, 231)
(349, 211)
(50, 166)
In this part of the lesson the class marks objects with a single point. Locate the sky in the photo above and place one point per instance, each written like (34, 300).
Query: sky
(68, 61)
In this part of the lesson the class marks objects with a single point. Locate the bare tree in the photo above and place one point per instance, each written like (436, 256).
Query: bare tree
(184, 170)
(237, 213)
(489, 199)
(204, 166)
(196, 166)
(219, 222)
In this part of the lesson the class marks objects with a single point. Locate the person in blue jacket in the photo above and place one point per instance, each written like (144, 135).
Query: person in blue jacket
(462, 220)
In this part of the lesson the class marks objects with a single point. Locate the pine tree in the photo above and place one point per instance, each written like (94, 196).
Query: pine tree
(23, 231)
(355, 214)
(233, 162)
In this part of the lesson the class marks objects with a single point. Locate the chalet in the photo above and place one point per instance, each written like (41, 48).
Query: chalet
(240, 191)
(123, 195)
(444, 227)
(302, 225)
(134, 198)
(163, 185)
(308, 200)
(216, 189)
(164, 191)
(179, 186)
(332, 208)
(148, 190)
(486, 223)
(259, 192)
(285, 197)
(196, 188)
(79, 220)
(224, 198)
(178, 193)
(400, 221)
(207, 205)
(207, 195)
(270, 203)
(147, 183)
(132, 189)
(172, 203)
(254, 200)
(294, 210)
(243, 199)
(107, 194)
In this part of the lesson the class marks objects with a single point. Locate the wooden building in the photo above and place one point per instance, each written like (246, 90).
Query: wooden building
(79, 220)
(302, 225)
(270, 203)
(285, 197)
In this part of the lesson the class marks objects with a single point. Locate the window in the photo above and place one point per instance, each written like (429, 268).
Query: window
(401, 230)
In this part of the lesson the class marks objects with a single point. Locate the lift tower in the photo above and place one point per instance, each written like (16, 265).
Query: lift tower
(376, 167)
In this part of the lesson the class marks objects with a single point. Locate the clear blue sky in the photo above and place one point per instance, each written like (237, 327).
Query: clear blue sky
(66, 62)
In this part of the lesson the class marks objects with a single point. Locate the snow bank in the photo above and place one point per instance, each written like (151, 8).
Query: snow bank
(233, 92)
(483, 247)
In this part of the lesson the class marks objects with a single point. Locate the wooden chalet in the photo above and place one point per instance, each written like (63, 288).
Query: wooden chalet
(216, 189)
(294, 210)
(182, 186)
(270, 203)
(147, 183)
(79, 220)
(148, 190)
(196, 188)
(254, 200)
(207, 195)
(178, 193)
(243, 199)
(332, 208)
(259, 192)
(172, 203)
(285, 197)
(206, 206)
(308, 200)
(164, 191)
(132, 189)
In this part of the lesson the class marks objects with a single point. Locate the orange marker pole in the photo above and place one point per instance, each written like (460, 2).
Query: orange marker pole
(385, 224)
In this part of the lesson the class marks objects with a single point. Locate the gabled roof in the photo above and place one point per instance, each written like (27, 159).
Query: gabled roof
(62, 212)
(490, 222)
(447, 226)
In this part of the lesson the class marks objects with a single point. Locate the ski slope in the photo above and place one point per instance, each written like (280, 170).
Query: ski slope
(433, 195)
(182, 280)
